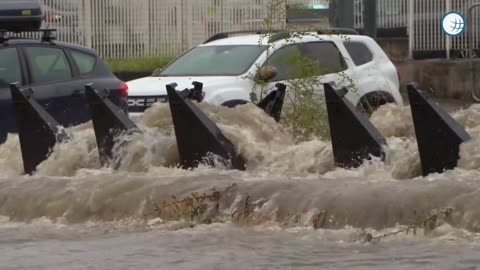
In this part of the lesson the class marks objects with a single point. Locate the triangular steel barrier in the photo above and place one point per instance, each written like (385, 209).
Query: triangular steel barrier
(198, 137)
(38, 132)
(109, 122)
(354, 138)
(438, 135)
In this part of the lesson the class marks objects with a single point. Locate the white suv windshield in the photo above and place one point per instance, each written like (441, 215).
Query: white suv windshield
(224, 60)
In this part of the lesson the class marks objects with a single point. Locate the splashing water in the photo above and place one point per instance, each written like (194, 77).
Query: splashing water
(267, 147)
(287, 177)
(10, 157)
(290, 191)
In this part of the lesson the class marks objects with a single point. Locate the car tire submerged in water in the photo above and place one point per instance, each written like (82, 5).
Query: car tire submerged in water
(234, 103)
(370, 102)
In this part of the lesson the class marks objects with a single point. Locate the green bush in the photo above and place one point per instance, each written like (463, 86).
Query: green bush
(138, 64)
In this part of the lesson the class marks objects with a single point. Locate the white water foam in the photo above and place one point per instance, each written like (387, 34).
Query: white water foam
(289, 177)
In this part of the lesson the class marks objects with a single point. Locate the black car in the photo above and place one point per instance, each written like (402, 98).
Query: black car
(20, 15)
(58, 73)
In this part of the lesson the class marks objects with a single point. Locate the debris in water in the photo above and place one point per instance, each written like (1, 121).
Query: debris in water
(199, 208)
(428, 224)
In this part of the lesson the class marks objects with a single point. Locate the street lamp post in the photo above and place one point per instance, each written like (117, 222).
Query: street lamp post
(370, 18)
(341, 13)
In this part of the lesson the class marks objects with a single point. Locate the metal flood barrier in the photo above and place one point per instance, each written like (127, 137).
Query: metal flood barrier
(439, 136)
(351, 151)
(109, 122)
(38, 132)
(199, 139)
(197, 135)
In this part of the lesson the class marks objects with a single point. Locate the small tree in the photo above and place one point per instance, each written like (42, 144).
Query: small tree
(304, 113)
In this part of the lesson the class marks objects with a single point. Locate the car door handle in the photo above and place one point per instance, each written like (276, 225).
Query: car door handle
(77, 93)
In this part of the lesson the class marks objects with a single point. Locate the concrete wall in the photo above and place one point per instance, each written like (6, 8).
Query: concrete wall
(446, 78)
(396, 48)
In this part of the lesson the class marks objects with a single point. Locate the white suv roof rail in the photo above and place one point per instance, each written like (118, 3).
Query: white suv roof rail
(223, 35)
(279, 33)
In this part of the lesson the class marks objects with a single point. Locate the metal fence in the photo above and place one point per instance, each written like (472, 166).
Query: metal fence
(391, 13)
(144, 28)
(426, 33)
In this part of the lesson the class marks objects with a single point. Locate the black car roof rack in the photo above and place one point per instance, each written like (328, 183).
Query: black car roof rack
(4, 36)
(48, 35)
(280, 34)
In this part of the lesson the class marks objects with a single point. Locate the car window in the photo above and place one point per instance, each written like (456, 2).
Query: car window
(10, 70)
(326, 57)
(359, 52)
(284, 60)
(48, 64)
(306, 59)
(85, 62)
(228, 60)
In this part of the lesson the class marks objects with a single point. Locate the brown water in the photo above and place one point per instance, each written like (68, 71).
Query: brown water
(291, 209)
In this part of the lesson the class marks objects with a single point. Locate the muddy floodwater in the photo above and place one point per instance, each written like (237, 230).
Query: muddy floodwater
(291, 208)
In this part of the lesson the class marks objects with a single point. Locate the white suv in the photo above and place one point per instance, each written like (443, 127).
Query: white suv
(226, 63)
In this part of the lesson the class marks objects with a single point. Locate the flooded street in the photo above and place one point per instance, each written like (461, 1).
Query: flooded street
(222, 246)
(291, 208)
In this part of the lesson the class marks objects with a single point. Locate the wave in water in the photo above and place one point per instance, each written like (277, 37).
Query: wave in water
(283, 178)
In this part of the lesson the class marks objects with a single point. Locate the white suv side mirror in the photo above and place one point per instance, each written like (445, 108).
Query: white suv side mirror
(266, 73)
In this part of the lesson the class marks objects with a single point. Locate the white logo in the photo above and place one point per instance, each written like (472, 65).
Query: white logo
(145, 102)
(453, 23)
